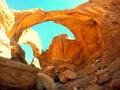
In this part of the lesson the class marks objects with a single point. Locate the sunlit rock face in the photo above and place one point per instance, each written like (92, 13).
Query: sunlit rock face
(4, 45)
(31, 37)
(6, 23)
(96, 29)
(62, 50)
(6, 17)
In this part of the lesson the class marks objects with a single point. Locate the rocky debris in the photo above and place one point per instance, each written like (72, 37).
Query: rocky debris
(39, 85)
(47, 82)
(103, 78)
(15, 75)
(75, 88)
(67, 76)
(62, 78)
(70, 74)
(49, 70)
(63, 67)
(114, 66)
(115, 84)
(91, 61)
(94, 87)
(79, 83)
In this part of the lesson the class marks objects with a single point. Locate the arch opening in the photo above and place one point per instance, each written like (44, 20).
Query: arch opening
(48, 30)
(28, 52)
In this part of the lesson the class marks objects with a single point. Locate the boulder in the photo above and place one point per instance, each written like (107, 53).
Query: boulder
(115, 75)
(94, 87)
(114, 66)
(67, 76)
(62, 78)
(103, 78)
(47, 81)
(49, 70)
(70, 74)
(79, 83)
(39, 85)
(15, 75)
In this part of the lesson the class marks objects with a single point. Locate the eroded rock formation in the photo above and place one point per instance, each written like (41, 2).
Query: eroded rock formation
(93, 56)
(30, 37)
(62, 49)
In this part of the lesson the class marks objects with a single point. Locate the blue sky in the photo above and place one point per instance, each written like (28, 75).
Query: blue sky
(46, 30)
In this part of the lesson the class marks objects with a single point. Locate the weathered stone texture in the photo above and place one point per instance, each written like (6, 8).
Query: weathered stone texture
(94, 55)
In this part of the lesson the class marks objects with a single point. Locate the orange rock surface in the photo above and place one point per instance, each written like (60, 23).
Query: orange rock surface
(94, 52)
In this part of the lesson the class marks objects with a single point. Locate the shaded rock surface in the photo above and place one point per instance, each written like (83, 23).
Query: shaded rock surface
(47, 82)
(94, 55)
(15, 75)
(103, 78)
(94, 87)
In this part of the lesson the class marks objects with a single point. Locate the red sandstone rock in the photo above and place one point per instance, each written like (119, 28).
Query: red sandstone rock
(80, 83)
(103, 78)
(96, 27)
(116, 75)
(62, 78)
(115, 84)
(94, 87)
(15, 75)
(61, 51)
(70, 74)
(50, 70)
(67, 76)
(47, 82)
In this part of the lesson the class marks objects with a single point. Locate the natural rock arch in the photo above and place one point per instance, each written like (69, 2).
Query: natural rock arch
(73, 19)
(32, 38)
(83, 25)
(90, 23)
(96, 26)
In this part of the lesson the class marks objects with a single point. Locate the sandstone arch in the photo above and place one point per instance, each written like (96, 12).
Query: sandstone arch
(73, 19)
(86, 23)
(91, 24)
(96, 26)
